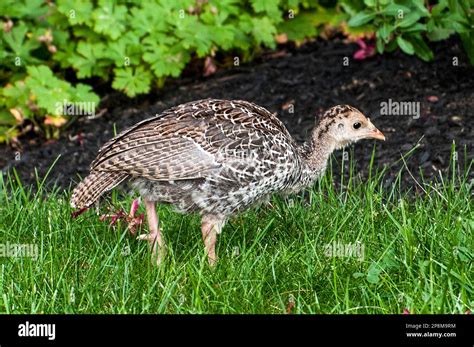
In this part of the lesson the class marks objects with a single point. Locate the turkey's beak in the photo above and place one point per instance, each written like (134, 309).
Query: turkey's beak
(375, 133)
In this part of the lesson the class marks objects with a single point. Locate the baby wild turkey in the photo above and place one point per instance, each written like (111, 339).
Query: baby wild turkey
(216, 158)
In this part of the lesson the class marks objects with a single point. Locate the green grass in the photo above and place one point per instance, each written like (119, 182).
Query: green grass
(418, 254)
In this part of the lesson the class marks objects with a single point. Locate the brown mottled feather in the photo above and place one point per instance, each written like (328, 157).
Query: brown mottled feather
(187, 142)
(93, 186)
(182, 143)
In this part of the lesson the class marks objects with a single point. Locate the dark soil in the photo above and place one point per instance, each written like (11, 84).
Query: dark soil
(312, 78)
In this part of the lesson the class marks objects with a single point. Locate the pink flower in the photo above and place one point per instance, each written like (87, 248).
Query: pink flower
(406, 311)
(365, 51)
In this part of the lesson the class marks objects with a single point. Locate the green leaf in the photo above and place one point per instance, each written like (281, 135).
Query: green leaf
(438, 8)
(405, 45)
(109, 19)
(225, 9)
(125, 51)
(298, 28)
(421, 48)
(166, 57)
(370, 3)
(468, 43)
(415, 27)
(325, 16)
(389, 261)
(76, 11)
(148, 19)
(48, 91)
(224, 35)
(438, 34)
(456, 22)
(391, 46)
(385, 31)
(31, 9)
(16, 39)
(451, 22)
(84, 93)
(7, 133)
(86, 60)
(455, 6)
(408, 20)
(361, 18)
(194, 35)
(264, 31)
(379, 44)
(6, 118)
(242, 40)
(395, 10)
(87, 34)
(132, 81)
(420, 6)
(17, 96)
(373, 274)
(268, 6)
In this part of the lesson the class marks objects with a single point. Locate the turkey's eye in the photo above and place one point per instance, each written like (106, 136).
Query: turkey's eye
(357, 125)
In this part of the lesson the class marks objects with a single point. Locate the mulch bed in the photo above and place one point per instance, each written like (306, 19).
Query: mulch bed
(312, 78)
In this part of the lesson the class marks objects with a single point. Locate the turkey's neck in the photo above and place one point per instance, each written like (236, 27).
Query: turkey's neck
(316, 151)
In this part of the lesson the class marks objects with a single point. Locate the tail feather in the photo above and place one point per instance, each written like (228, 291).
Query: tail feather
(93, 186)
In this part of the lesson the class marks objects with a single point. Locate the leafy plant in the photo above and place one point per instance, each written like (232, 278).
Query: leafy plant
(136, 46)
(406, 24)
(133, 45)
(31, 99)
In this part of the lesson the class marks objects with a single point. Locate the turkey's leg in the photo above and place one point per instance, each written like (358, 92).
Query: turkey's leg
(154, 237)
(134, 207)
(134, 221)
(211, 226)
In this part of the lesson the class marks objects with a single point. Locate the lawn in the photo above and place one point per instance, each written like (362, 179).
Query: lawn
(403, 249)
